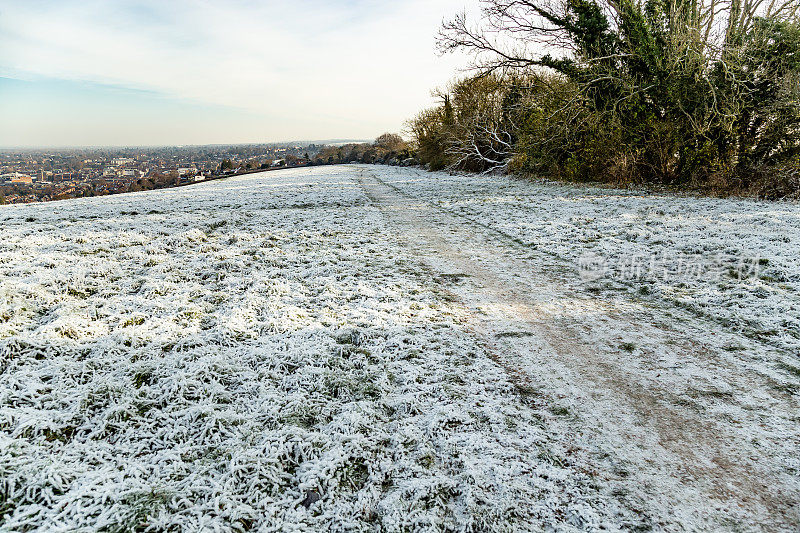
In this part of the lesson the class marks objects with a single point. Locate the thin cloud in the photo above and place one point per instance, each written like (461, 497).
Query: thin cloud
(364, 63)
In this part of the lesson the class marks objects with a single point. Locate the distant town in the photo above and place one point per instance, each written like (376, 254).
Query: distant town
(53, 174)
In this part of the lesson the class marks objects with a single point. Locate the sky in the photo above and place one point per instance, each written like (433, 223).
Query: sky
(156, 72)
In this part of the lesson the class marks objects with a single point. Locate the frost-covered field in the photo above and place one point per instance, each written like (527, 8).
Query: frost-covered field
(264, 354)
(735, 261)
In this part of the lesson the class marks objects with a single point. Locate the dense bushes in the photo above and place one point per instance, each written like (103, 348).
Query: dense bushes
(687, 93)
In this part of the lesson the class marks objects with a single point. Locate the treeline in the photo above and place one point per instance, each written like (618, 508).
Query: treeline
(389, 149)
(688, 93)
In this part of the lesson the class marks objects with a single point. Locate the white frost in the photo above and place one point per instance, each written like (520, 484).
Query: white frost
(260, 353)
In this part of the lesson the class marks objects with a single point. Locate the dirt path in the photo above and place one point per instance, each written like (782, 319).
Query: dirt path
(690, 435)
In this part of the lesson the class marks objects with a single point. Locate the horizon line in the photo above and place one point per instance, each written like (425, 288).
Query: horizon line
(191, 145)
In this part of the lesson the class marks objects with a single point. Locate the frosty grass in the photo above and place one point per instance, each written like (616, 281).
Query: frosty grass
(263, 353)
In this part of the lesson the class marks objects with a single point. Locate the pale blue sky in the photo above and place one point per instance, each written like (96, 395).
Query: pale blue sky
(99, 72)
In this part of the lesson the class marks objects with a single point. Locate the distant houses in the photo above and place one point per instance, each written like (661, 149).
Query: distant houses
(16, 178)
(130, 173)
(37, 175)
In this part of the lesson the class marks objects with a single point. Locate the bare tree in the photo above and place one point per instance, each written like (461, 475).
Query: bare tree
(483, 127)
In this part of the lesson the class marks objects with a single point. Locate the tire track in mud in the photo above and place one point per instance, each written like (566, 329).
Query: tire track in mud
(647, 430)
